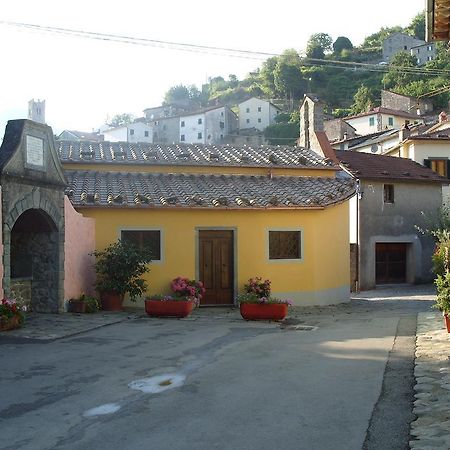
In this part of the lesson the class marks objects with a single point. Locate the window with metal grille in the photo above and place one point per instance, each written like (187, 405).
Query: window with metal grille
(285, 244)
(144, 239)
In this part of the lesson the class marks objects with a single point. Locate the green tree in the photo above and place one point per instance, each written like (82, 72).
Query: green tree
(417, 26)
(376, 39)
(288, 78)
(318, 41)
(267, 76)
(286, 131)
(121, 119)
(397, 76)
(363, 100)
(342, 43)
(177, 94)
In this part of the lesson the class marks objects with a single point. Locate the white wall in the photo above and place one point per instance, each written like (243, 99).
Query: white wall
(362, 124)
(192, 128)
(256, 113)
(134, 132)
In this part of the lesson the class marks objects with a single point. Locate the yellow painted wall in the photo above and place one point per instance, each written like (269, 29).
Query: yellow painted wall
(228, 170)
(325, 263)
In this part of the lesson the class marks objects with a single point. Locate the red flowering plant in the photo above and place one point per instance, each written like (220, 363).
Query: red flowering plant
(10, 309)
(258, 291)
(183, 289)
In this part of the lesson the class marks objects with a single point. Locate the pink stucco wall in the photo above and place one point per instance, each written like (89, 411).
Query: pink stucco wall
(80, 241)
(1, 249)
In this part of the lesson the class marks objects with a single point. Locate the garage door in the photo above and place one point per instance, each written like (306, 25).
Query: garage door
(390, 263)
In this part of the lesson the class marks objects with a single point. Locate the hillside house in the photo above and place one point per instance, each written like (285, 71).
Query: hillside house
(257, 113)
(386, 246)
(399, 42)
(133, 132)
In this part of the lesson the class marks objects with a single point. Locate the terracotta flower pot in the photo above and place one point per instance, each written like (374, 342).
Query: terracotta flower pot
(111, 301)
(168, 308)
(447, 322)
(261, 311)
(77, 307)
(10, 324)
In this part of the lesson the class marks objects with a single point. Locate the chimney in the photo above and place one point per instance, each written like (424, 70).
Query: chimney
(404, 133)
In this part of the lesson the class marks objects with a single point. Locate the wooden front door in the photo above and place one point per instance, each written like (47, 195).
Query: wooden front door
(216, 266)
(390, 263)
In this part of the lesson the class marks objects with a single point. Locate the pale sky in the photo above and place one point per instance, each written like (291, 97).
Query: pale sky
(84, 81)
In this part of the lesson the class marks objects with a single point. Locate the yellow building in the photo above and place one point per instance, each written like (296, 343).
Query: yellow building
(220, 214)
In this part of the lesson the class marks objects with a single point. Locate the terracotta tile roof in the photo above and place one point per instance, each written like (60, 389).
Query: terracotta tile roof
(370, 166)
(158, 190)
(382, 110)
(121, 153)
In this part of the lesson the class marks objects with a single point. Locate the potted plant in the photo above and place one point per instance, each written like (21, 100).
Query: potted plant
(442, 283)
(12, 315)
(186, 294)
(256, 303)
(83, 304)
(119, 268)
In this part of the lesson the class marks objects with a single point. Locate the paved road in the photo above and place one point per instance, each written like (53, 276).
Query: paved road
(215, 381)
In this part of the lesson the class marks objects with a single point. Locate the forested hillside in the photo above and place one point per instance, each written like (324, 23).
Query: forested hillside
(349, 79)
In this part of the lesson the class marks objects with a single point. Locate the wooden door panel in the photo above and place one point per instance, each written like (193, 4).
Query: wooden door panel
(390, 263)
(216, 266)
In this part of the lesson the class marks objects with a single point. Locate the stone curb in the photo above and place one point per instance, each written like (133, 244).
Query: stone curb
(430, 431)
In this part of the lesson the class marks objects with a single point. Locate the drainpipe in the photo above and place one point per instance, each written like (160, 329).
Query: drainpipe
(358, 240)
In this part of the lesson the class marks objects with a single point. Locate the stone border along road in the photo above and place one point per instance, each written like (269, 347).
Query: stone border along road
(431, 429)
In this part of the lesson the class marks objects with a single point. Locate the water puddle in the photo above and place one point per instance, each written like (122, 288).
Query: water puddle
(158, 383)
(107, 408)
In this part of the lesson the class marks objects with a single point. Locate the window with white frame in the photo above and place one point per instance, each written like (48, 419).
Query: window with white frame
(285, 244)
(150, 239)
(371, 121)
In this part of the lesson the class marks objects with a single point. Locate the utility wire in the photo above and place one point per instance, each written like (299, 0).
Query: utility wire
(224, 51)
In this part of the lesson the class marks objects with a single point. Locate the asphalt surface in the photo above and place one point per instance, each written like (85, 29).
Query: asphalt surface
(329, 378)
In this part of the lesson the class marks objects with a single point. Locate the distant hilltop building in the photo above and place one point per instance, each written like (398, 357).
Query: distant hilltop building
(36, 110)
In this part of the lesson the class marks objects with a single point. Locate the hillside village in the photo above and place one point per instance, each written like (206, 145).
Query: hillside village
(265, 254)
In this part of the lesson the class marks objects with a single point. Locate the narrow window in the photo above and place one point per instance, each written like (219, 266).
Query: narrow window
(182, 138)
(247, 121)
(284, 244)
(150, 239)
(388, 193)
(259, 108)
(199, 135)
(146, 133)
(199, 121)
(391, 121)
(131, 132)
(259, 119)
(371, 121)
(247, 110)
(182, 123)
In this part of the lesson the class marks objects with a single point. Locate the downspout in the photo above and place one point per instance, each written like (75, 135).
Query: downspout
(358, 250)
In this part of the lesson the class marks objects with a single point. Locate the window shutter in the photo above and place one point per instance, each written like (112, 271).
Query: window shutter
(427, 163)
(448, 169)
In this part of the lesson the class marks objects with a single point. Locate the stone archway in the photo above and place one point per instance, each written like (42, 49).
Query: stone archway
(34, 252)
(34, 260)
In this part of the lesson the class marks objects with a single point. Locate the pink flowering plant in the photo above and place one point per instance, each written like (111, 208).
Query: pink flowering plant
(258, 291)
(9, 309)
(183, 289)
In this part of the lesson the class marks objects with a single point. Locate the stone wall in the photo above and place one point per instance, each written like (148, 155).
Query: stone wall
(404, 103)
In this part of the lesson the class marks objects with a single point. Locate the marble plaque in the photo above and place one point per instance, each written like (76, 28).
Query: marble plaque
(35, 151)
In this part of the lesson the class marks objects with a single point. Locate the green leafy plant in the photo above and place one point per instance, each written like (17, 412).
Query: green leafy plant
(442, 283)
(119, 268)
(247, 297)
